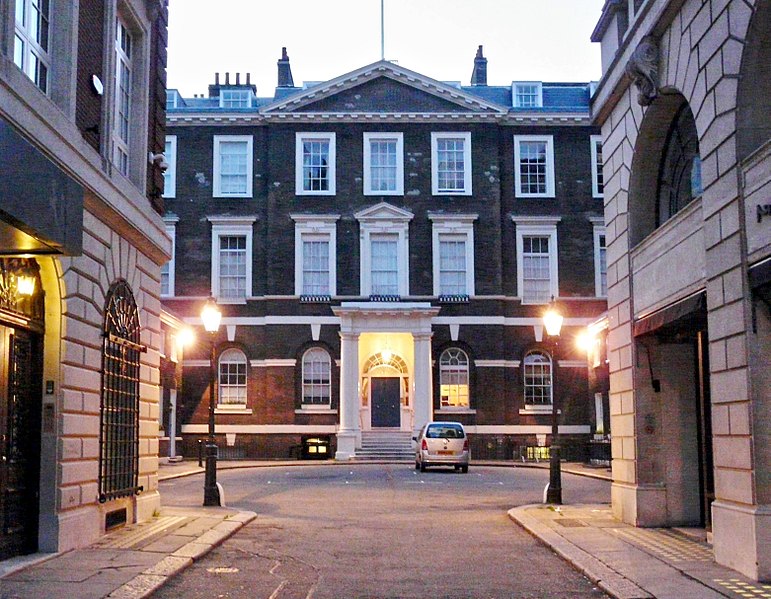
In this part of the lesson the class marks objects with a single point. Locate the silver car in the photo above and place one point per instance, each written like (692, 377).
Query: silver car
(442, 444)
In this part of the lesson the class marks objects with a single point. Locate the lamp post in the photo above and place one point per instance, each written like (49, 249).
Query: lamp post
(552, 322)
(211, 316)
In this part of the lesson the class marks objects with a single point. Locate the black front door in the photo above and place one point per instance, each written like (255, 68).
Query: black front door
(20, 406)
(385, 402)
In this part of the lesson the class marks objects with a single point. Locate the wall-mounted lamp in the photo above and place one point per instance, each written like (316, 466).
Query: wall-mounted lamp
(25, 285)
(185, 337)
(159, 159)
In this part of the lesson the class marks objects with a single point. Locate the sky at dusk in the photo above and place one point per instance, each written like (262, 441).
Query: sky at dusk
(542, 40)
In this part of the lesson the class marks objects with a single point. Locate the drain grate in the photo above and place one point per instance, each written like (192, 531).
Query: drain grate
(666, 544)
(745, 589)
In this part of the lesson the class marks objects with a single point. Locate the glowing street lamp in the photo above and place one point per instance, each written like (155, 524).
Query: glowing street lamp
(552, 322)
(211, 317)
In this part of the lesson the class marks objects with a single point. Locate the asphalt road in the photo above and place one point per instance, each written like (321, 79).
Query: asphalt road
(381, 531)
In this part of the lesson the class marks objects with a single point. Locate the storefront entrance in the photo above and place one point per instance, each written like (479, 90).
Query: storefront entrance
(20, 406)
(386, 404)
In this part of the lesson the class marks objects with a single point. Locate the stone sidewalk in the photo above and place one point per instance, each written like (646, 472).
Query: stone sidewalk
(635, 563)
(129, 563)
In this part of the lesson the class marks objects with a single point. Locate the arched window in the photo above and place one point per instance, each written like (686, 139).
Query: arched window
(538, 382)
(119, 436)
(317, 377)
(680, 172)
(454, 379)
(232, 379)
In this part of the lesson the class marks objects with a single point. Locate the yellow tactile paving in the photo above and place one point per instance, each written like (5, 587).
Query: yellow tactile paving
(666, 544)
(745, 589)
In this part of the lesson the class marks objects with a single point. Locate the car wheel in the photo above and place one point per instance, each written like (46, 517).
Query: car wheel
(464, 469)
(457, 467)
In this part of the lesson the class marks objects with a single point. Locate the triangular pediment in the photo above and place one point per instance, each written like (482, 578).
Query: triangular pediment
(383, 211)
(384, 88)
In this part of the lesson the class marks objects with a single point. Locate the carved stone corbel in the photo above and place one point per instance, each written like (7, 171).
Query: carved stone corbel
(643, 69)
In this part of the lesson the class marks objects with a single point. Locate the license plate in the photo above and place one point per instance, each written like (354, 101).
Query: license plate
(445, 452)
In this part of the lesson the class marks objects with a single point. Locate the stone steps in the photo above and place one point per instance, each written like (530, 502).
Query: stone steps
(388, 445)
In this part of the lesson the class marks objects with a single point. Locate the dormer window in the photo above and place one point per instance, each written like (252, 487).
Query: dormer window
(235, 98)
(172, 98)
(527, 94)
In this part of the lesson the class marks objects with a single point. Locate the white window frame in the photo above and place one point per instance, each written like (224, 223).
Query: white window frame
(446, 370)
(399, 139)
(121, 145)
(32, 46)
(170, 176)
(227, 226)
(598, 226)
(596, 167)
(467, 167)
(243, 95)
(549, 140)
(328, 384)
(527, 226)
(232, 406)
(517, 85)
(170, 222)
(315, 227)
(538, 407)
(217, 182)
(396, 222)
(172, 98)
(457, 226)
(300, 137)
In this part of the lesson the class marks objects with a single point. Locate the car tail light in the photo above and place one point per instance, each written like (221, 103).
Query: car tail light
(465, 445)
(424, 445)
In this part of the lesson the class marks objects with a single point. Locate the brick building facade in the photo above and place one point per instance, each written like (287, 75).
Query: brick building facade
(382, 247)
(82, 87)
(684, 109)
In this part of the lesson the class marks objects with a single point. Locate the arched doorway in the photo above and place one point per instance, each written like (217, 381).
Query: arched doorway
(385, 389)
(21, 366)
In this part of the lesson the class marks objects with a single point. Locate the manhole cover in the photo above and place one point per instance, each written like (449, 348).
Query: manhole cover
(570, 522)
(222, 570)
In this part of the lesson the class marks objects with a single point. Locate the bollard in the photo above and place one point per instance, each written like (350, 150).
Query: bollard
(200, 453)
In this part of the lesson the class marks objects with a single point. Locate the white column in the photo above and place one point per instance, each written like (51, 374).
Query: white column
(349, 396)
(424, 394)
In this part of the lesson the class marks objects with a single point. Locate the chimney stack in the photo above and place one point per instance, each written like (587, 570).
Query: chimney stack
(479, 74)
(284, 71)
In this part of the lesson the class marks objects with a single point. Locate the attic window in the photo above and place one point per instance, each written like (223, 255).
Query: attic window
(527, 94)
(172, 98)
(235, 98)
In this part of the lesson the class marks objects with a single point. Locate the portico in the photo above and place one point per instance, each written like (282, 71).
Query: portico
(385, 369)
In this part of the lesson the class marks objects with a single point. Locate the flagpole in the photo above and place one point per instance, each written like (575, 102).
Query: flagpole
(382, 30)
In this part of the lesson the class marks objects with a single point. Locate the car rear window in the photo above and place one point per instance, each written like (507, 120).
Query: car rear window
(445, 431)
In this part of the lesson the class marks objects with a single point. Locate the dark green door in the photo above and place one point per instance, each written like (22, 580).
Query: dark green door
(385, 402)
(20, 405)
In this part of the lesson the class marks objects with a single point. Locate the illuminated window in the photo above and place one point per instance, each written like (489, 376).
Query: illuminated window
(232, 378)
(317, 378)
(538, 383)
(454, 379)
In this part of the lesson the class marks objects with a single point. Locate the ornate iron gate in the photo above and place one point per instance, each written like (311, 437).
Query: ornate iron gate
(119, 436)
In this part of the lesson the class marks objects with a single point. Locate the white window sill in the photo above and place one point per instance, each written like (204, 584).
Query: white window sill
(234, 410)
(315, 411)
(455, 411)
(538, 410)
(231, 300)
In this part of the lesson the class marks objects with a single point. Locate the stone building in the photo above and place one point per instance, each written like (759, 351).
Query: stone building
(82, 88)
(382, 246)
(684, 106)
